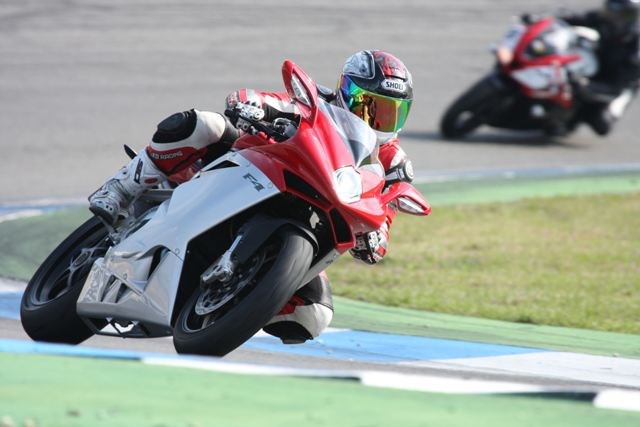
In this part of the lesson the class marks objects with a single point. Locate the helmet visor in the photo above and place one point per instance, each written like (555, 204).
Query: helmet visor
(380, 112)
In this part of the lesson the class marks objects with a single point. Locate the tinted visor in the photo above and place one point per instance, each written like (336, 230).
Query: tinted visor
(380, 112)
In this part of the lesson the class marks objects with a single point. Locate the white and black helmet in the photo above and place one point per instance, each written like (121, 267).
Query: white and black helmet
(378, 88)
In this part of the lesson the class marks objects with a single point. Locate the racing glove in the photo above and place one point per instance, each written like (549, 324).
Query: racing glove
(250, 110)
(371, 247)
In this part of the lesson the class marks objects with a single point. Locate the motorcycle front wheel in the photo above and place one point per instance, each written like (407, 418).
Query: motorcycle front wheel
(219, 318)
(48, 307)
(471, 110)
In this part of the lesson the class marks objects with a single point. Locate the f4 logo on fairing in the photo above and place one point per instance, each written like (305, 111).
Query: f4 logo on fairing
(252, 179)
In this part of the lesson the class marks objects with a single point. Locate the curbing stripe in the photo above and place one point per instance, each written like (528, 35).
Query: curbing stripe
(607, 399)
(610, 399)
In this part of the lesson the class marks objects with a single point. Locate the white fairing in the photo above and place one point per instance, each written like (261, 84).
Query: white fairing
(540, 78)
(513, 36)
(587, 65)
(119, 285)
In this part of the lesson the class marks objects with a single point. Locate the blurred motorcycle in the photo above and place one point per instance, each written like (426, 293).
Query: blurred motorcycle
(214, 259)
(532, 85)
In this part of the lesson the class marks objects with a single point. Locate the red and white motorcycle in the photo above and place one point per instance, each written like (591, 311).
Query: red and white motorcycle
(531, 85)
(213, 260)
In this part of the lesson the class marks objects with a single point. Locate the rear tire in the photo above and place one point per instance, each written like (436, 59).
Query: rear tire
(473, 109)
(271, 277)
(48, 307)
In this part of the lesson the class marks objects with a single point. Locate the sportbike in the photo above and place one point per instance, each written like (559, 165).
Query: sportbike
(532, 85)
(212, 260)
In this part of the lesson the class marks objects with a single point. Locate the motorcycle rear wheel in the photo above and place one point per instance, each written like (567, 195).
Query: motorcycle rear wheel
(48, 306)
(242, 307)
(471, 110)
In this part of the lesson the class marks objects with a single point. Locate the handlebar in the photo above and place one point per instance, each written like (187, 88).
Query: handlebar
(267, 128)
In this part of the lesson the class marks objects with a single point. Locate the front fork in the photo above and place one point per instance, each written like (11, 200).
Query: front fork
(251, 236)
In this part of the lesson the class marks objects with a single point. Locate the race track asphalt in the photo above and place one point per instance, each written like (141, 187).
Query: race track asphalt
(79, 79)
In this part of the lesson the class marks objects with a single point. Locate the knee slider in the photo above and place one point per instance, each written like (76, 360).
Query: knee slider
(176, 127)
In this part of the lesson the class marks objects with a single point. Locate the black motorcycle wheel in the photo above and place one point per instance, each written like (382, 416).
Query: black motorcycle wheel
(48, 307)
(473, 109)
(233, 312)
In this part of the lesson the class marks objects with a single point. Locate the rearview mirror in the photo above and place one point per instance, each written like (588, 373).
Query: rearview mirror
(298, 91)
(407, 199)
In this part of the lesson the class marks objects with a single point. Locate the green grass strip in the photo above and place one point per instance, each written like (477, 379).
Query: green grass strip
(493, 190)
(372, 317)
(563, 261)
(25, 243)
(72, 392)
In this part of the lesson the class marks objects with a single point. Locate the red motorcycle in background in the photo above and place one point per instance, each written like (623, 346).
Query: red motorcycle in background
(531, 85)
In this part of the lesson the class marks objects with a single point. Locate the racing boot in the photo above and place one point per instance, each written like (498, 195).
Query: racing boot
(306, 315)
(129, 183)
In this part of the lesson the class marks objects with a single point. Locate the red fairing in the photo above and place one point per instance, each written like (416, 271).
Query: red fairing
(533, 31)
(562, 93)
(313, 154)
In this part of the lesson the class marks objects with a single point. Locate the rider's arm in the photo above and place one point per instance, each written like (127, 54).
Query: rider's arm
(590, 19)
(274, 104)
(372, 247)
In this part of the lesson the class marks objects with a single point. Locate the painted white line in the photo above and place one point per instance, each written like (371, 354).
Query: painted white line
(9, 285)
(380, 379)
(245, 369)
(26, 213)
(618, 399)
(614, 371)
(433, 384)
(46, 203)
(608, 399)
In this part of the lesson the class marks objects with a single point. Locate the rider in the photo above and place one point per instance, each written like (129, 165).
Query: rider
(619, 55)
(374, 85)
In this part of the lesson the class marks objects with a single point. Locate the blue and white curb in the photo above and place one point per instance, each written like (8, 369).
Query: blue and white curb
(606, 398)
(387, 349)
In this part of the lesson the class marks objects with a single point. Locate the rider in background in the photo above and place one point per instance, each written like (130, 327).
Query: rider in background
(619, 56)
(374, 85)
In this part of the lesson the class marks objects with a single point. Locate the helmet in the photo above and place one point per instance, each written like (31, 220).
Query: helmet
(377, 87)
(623, 15)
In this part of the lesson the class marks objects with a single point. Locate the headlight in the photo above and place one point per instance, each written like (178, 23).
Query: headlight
(348, 184)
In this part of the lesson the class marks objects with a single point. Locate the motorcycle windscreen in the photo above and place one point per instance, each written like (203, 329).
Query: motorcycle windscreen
(359, 139)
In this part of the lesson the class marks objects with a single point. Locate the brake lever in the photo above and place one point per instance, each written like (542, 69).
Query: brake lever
(260, 126)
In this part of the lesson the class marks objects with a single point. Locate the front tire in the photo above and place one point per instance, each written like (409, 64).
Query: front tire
(473, 109)
(48, 307)
(242, 307)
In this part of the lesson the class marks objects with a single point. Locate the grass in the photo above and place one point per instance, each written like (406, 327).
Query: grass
(565, 261)
(39, 390)
(25, 243)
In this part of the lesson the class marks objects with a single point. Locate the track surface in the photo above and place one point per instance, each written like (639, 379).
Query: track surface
(79, 79)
